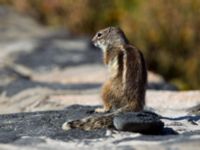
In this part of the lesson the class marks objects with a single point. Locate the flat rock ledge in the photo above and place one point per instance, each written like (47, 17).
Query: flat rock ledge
(42, 130)
(48, 123)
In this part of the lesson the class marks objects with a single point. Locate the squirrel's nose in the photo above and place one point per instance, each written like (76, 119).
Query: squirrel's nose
(93, 39)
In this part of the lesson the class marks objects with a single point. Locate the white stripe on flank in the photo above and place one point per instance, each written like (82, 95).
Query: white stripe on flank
(113, 67)
(124, 70)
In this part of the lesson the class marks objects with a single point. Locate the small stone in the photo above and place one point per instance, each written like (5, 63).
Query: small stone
(141, 122)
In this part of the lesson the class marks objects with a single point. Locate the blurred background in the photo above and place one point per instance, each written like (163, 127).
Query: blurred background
(47, 62)
(167, 32)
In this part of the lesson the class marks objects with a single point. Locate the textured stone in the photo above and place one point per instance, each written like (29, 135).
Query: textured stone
(142, 122)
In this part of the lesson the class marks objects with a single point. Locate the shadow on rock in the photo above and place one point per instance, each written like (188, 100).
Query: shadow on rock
(191, 119)
(22, 84)
(58, 51)
(162, 86)
(187, 117)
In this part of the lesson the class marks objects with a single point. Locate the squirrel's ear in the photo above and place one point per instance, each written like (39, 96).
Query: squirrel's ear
(109, 30)
(114, 28)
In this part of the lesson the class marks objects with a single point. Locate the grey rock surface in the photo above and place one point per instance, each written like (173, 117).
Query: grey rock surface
(15, 126)
(48, 124)
(42, 130)
(142, 122)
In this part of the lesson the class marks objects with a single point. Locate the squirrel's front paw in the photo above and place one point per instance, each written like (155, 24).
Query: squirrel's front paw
(101, 110)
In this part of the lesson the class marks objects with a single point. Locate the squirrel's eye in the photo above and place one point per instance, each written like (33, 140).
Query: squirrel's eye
(99, 34)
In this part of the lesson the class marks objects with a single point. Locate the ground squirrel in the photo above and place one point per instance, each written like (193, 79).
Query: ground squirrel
(126, 86)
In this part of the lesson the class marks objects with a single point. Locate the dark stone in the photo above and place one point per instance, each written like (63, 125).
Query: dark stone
(142, 122)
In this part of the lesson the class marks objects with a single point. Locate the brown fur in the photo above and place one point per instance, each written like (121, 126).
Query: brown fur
(125, 88)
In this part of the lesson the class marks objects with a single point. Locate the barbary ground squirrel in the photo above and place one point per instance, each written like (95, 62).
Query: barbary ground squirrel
(125, 89)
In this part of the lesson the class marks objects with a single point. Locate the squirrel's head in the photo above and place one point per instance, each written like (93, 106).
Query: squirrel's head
(109, 37)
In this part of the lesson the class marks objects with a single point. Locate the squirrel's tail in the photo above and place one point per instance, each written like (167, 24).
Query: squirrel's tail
(92, 122)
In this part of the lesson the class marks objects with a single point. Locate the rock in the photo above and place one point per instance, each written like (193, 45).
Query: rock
(48, 124)
(15, 26)
(194, 110)
(157, 82)
(162, 86)
(142, 122)
(42, 130)
(164, 101)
